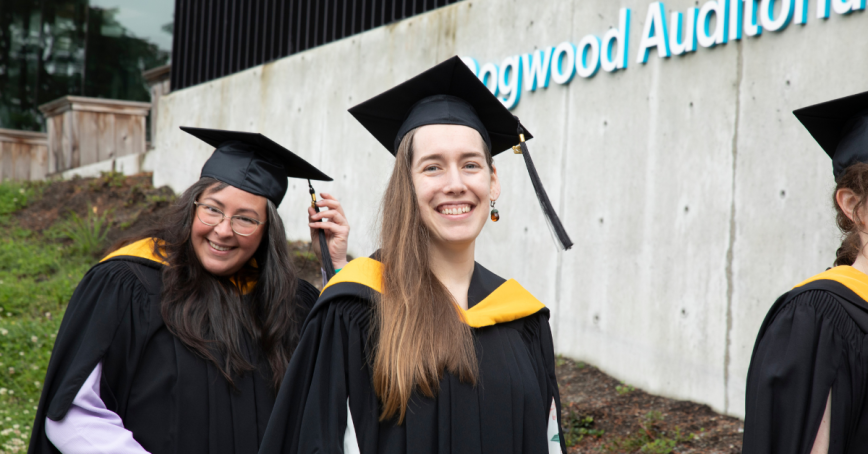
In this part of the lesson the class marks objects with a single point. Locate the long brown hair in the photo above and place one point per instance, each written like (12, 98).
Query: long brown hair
(418, 329)
(208, 313)
(855, 178)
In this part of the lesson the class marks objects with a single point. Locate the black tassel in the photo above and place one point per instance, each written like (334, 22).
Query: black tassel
(327, 264)
(552, 219)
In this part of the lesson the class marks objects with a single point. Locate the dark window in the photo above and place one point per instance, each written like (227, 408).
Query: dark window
(215, 38)
(54, 48)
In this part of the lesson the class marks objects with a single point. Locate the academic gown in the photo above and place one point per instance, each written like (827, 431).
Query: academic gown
(506, 412)
(171, 400)
(812, 341)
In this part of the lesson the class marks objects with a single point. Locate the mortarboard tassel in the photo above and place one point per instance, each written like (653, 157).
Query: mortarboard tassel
(327, 264)
(548, 210)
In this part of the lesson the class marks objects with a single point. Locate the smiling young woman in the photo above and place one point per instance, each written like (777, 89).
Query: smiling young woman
(419, 348)
(178, 340)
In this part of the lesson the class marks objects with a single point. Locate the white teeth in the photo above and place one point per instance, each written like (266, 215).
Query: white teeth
(458, 210)
(219, 248)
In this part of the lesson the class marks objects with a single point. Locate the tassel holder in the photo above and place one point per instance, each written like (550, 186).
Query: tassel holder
(312, 196)
(516, 149)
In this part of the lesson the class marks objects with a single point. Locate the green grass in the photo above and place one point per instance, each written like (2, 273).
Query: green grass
(624, 389)
(650, 438)
(37, 277)
(15, 196)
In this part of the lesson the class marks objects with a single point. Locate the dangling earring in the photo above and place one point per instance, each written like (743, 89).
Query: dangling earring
(495, 216)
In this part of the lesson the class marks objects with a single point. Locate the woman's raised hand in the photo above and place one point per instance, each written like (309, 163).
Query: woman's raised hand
(335, 226)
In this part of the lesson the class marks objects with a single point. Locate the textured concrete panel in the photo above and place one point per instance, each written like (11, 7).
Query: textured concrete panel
(692, 194)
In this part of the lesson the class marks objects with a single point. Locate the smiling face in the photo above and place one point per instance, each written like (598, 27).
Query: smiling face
(453, 182)
(221, 251)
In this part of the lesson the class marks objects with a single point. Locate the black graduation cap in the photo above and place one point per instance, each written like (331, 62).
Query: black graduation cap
(252, 162)
(449, 93)
(840, 126)
(256, 164)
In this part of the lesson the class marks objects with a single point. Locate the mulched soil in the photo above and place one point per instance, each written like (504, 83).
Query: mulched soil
(626, 415)
(600, 414)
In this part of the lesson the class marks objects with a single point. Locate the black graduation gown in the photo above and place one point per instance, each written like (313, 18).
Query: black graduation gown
(812, 341)
(170, 399)
(506, 412)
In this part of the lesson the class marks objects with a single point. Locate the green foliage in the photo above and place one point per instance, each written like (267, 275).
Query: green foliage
(25, 347)
(110, 179)
(650, 438)
(651, 418)
(88, 234)
(560, 361)
(15, 196)
(18, 259)
(577, 427)
(37, 278)
(159, 198)
(623, 389)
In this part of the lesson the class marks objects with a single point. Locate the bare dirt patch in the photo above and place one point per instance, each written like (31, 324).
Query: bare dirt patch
(600, 414)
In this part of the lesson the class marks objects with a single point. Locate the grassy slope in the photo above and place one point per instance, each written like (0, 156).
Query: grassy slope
(37, 277)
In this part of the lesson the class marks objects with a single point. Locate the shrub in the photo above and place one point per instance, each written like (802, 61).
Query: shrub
(88, 234)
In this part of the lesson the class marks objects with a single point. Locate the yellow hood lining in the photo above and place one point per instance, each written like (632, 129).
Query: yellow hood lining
(848, 276)
(144, 249)
(508, 302)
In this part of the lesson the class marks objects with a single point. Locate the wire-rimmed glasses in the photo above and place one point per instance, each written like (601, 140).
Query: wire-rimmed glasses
(211, 216)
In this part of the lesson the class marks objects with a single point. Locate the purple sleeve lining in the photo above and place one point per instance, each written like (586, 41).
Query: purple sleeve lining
(89, 427)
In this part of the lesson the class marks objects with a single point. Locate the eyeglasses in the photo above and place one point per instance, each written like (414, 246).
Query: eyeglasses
(241, 225)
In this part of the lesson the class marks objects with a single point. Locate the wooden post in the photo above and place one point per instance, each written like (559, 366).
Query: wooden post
(84, 131)
(23, 155)
(159, 84)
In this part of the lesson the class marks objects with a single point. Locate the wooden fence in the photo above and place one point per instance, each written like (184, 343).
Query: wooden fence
(83, 131)
(23, 155)
(159, 84)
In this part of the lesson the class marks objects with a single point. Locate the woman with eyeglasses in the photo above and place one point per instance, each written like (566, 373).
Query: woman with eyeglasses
(179, 340)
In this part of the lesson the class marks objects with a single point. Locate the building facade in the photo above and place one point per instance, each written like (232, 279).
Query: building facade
(663, 133)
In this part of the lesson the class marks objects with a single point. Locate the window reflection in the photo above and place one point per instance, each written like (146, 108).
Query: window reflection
(98, 48)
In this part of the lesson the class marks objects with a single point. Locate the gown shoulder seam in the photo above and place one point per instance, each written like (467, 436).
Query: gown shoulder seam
(827, 304)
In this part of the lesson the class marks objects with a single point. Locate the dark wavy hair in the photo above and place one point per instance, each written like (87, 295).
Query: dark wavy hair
(209, 313)
(855, 178)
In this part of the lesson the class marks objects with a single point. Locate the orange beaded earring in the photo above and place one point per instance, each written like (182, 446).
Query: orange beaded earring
(495, 216)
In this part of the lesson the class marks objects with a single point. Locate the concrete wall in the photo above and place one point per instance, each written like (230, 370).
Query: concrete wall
(693, 195)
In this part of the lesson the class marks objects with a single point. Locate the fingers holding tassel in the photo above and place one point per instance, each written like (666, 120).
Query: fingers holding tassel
(334, 223)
